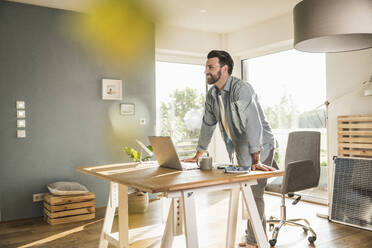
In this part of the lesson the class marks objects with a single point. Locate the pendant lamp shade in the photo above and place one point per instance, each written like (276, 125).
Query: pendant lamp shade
(332, 25)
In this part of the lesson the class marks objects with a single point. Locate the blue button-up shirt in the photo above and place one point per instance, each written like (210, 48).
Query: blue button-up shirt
(249, 129)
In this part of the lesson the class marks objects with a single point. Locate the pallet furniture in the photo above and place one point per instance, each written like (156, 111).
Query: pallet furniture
(69, 208)
(355, 136)
(181, 187)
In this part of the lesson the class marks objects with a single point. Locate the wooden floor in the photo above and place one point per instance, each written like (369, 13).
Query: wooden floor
(212, 218)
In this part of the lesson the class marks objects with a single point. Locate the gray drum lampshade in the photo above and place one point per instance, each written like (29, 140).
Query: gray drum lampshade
(332, 25)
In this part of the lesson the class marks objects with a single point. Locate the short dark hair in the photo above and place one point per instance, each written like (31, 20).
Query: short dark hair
(224, 59)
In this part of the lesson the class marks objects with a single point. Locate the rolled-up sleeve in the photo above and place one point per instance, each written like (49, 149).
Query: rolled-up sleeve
(208, 126)
(246, 103)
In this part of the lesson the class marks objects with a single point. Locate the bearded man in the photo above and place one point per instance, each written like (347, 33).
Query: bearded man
(234, 105)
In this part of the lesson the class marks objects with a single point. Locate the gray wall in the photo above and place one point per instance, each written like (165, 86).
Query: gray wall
(67, 123)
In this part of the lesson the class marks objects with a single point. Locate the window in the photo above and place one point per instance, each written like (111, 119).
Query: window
(292, 89)
(180, 96)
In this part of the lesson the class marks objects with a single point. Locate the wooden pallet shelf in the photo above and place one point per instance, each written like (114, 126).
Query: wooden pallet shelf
(355, 136)
(66, 209)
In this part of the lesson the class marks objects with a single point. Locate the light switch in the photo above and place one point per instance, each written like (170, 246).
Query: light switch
(21, 123)
(21, 133)
(21, 113)
(20, 105)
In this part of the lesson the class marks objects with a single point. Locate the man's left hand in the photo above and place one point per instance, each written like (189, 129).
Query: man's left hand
(262, 167)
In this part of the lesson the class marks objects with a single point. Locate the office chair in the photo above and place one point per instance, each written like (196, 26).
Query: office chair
(302, 171)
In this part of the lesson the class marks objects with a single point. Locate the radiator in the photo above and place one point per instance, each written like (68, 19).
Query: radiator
(352, 192)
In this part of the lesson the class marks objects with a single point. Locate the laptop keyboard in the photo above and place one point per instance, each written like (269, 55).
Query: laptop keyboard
(189, 166)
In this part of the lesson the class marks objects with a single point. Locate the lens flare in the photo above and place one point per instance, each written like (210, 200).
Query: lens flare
(117, 29)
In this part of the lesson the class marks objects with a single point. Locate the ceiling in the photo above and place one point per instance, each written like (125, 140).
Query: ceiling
(218, 16)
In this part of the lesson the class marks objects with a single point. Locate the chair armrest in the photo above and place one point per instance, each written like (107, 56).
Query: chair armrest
(299, 175)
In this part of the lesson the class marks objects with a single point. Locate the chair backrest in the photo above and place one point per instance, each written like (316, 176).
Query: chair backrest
(302, 146)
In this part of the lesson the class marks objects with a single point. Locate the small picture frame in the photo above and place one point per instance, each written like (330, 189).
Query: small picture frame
(127, 109)
(111, 89)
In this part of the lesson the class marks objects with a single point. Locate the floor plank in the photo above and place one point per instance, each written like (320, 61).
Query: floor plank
(211, 218)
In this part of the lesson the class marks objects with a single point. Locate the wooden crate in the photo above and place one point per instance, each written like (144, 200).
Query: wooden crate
(355, 136)
(67, 209)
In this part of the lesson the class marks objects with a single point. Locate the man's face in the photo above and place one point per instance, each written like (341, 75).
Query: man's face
(212, 70)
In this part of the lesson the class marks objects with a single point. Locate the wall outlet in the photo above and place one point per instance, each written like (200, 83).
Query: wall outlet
(38, 197)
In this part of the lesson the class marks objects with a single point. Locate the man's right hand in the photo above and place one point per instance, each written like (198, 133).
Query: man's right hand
(193, 159)
(190, 160)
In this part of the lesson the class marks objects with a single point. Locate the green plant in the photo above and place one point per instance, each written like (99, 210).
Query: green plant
(324, 163)
(135, 155)
(277, 157)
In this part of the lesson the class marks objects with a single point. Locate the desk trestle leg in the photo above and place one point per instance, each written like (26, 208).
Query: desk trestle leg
(123, 216)
(109, 216)
(174, 224)
(255, 218)
(113, 202)
(232, 217)
(168, 234)
(188, 197)
(178, 217)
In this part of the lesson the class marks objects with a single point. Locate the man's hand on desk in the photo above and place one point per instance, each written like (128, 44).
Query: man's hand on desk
(193, 159)
(262, 167)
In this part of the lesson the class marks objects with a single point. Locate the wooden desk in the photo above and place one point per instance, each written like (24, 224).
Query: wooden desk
(181, 187)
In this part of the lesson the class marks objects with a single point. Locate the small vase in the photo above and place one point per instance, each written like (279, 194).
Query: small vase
(138, 202)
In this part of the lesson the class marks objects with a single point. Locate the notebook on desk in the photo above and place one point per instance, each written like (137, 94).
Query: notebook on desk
(166, 155)
(237, 169)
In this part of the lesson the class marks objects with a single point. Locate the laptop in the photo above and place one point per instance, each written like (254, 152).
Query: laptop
(165, 153)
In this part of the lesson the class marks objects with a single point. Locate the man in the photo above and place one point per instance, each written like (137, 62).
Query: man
(233, 104)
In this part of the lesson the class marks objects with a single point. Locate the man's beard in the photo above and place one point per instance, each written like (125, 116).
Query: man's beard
(213, 79)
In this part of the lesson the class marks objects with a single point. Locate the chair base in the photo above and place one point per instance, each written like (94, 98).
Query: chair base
(292, 222)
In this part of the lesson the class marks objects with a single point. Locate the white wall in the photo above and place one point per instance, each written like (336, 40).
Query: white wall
(181, 45)
(262, 38)
(345, 74)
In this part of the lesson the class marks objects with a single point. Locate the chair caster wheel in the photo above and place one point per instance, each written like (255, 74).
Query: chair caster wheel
(271, 227)
(272, 242)
(312, 239)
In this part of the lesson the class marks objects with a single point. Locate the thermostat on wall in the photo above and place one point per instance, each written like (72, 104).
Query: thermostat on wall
(368, 93)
